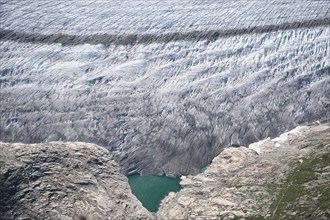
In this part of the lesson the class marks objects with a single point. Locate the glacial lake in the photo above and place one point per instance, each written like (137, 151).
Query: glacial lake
(150, 190)
(203, 169)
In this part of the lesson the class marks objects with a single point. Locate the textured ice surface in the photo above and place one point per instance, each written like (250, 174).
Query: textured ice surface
(153, 17)
(163, 106)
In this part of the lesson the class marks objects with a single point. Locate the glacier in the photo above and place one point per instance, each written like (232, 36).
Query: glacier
(164, 85)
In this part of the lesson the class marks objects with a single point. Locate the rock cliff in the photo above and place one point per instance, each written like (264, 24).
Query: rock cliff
(283, 178)
(287, 177)
(64, 181)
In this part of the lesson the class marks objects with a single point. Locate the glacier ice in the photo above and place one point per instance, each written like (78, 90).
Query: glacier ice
(162, 106)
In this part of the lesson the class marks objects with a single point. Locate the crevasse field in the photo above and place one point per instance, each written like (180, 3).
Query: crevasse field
(164, 85)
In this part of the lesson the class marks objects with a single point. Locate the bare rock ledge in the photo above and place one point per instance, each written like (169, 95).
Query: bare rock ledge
(287, 177)
(283, 178)
(64, 181)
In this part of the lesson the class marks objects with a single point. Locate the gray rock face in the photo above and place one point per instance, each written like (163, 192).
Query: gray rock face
(283, 178)
(169, 104)
(64, 181)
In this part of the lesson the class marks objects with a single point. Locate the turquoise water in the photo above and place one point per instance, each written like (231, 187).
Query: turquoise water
(203, 169)
(150, 190)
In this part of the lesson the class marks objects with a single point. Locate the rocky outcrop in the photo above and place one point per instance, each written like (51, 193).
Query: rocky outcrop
(283, 178)
(64, 181)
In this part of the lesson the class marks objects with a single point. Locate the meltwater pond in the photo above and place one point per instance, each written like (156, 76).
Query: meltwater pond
(150, 190)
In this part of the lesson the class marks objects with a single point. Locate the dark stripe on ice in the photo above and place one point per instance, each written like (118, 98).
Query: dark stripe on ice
(131, 39)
